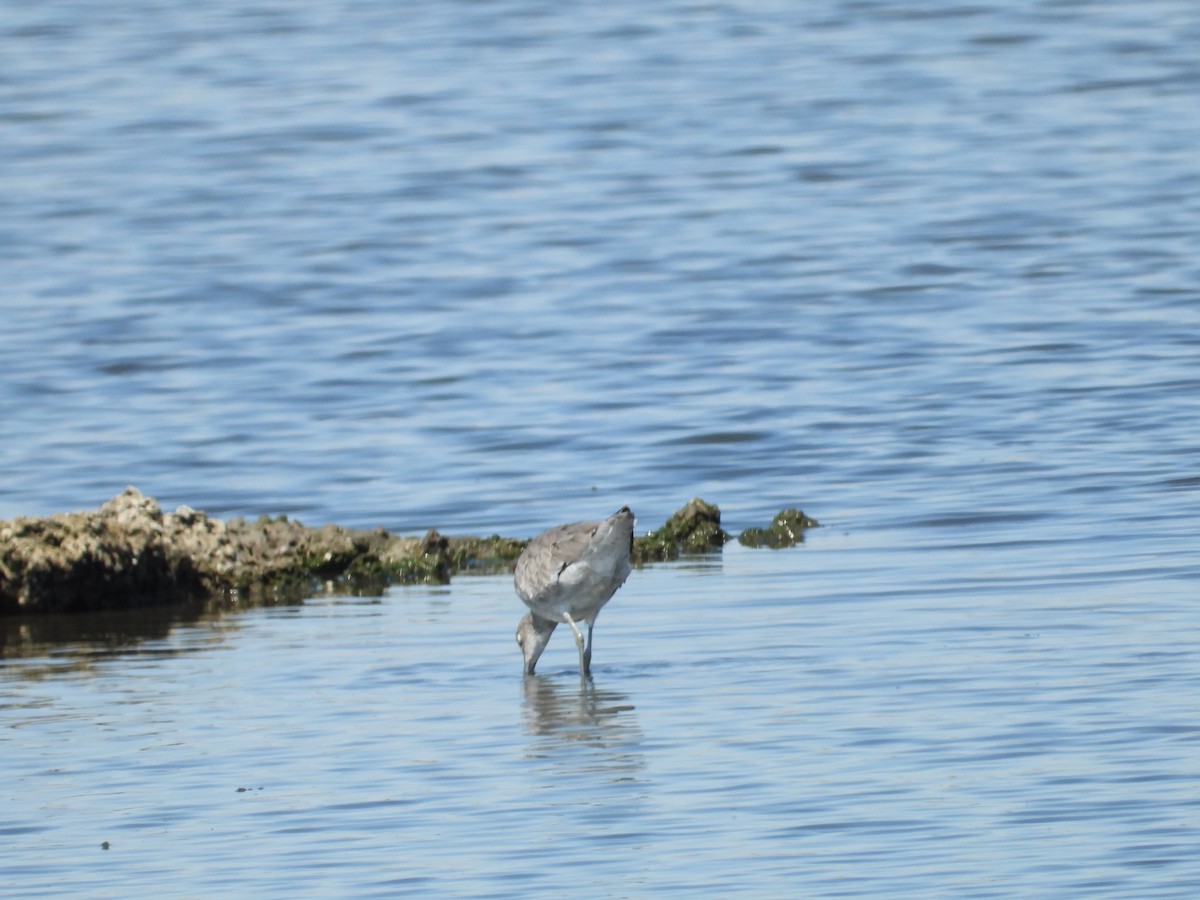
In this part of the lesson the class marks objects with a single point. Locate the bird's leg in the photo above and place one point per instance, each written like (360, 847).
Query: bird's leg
(583, 663)
(587, 653)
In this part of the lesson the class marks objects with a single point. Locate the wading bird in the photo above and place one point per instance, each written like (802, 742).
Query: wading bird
(567, 574)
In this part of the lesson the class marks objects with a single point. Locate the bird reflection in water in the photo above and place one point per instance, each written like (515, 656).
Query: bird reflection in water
(582, 716)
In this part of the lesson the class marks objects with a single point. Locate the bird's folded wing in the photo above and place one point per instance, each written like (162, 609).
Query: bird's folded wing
(548, 554)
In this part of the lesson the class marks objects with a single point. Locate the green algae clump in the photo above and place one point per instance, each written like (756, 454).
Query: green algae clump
(694, 529)
(785, 530)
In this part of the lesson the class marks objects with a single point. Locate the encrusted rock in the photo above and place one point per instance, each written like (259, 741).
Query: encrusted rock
(694, 529)
(111, 558)
(785, 530)
(130, 553)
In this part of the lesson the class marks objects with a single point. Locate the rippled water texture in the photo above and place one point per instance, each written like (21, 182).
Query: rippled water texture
(927, 271)
(759, 724)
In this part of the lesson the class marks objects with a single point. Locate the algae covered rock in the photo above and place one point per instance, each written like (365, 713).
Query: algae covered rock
(694, 529)
(114, 557)
(129, 553)
(785, 530)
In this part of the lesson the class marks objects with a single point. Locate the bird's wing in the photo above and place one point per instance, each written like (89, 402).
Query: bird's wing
(548, 554)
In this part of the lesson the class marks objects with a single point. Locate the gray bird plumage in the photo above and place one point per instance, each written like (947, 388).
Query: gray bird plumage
(567, 574)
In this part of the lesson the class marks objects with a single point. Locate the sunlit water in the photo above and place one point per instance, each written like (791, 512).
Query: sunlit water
(832, 720)
(928, 272)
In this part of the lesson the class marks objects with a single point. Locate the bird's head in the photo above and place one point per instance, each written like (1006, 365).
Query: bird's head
(533, 633)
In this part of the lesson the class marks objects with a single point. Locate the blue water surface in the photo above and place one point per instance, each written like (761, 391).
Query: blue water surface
(927, 271)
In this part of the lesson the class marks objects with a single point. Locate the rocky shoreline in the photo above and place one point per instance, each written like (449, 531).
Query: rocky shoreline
(129, 553)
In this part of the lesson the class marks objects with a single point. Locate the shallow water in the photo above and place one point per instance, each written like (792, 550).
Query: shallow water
(758, 723)
(927, 272)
